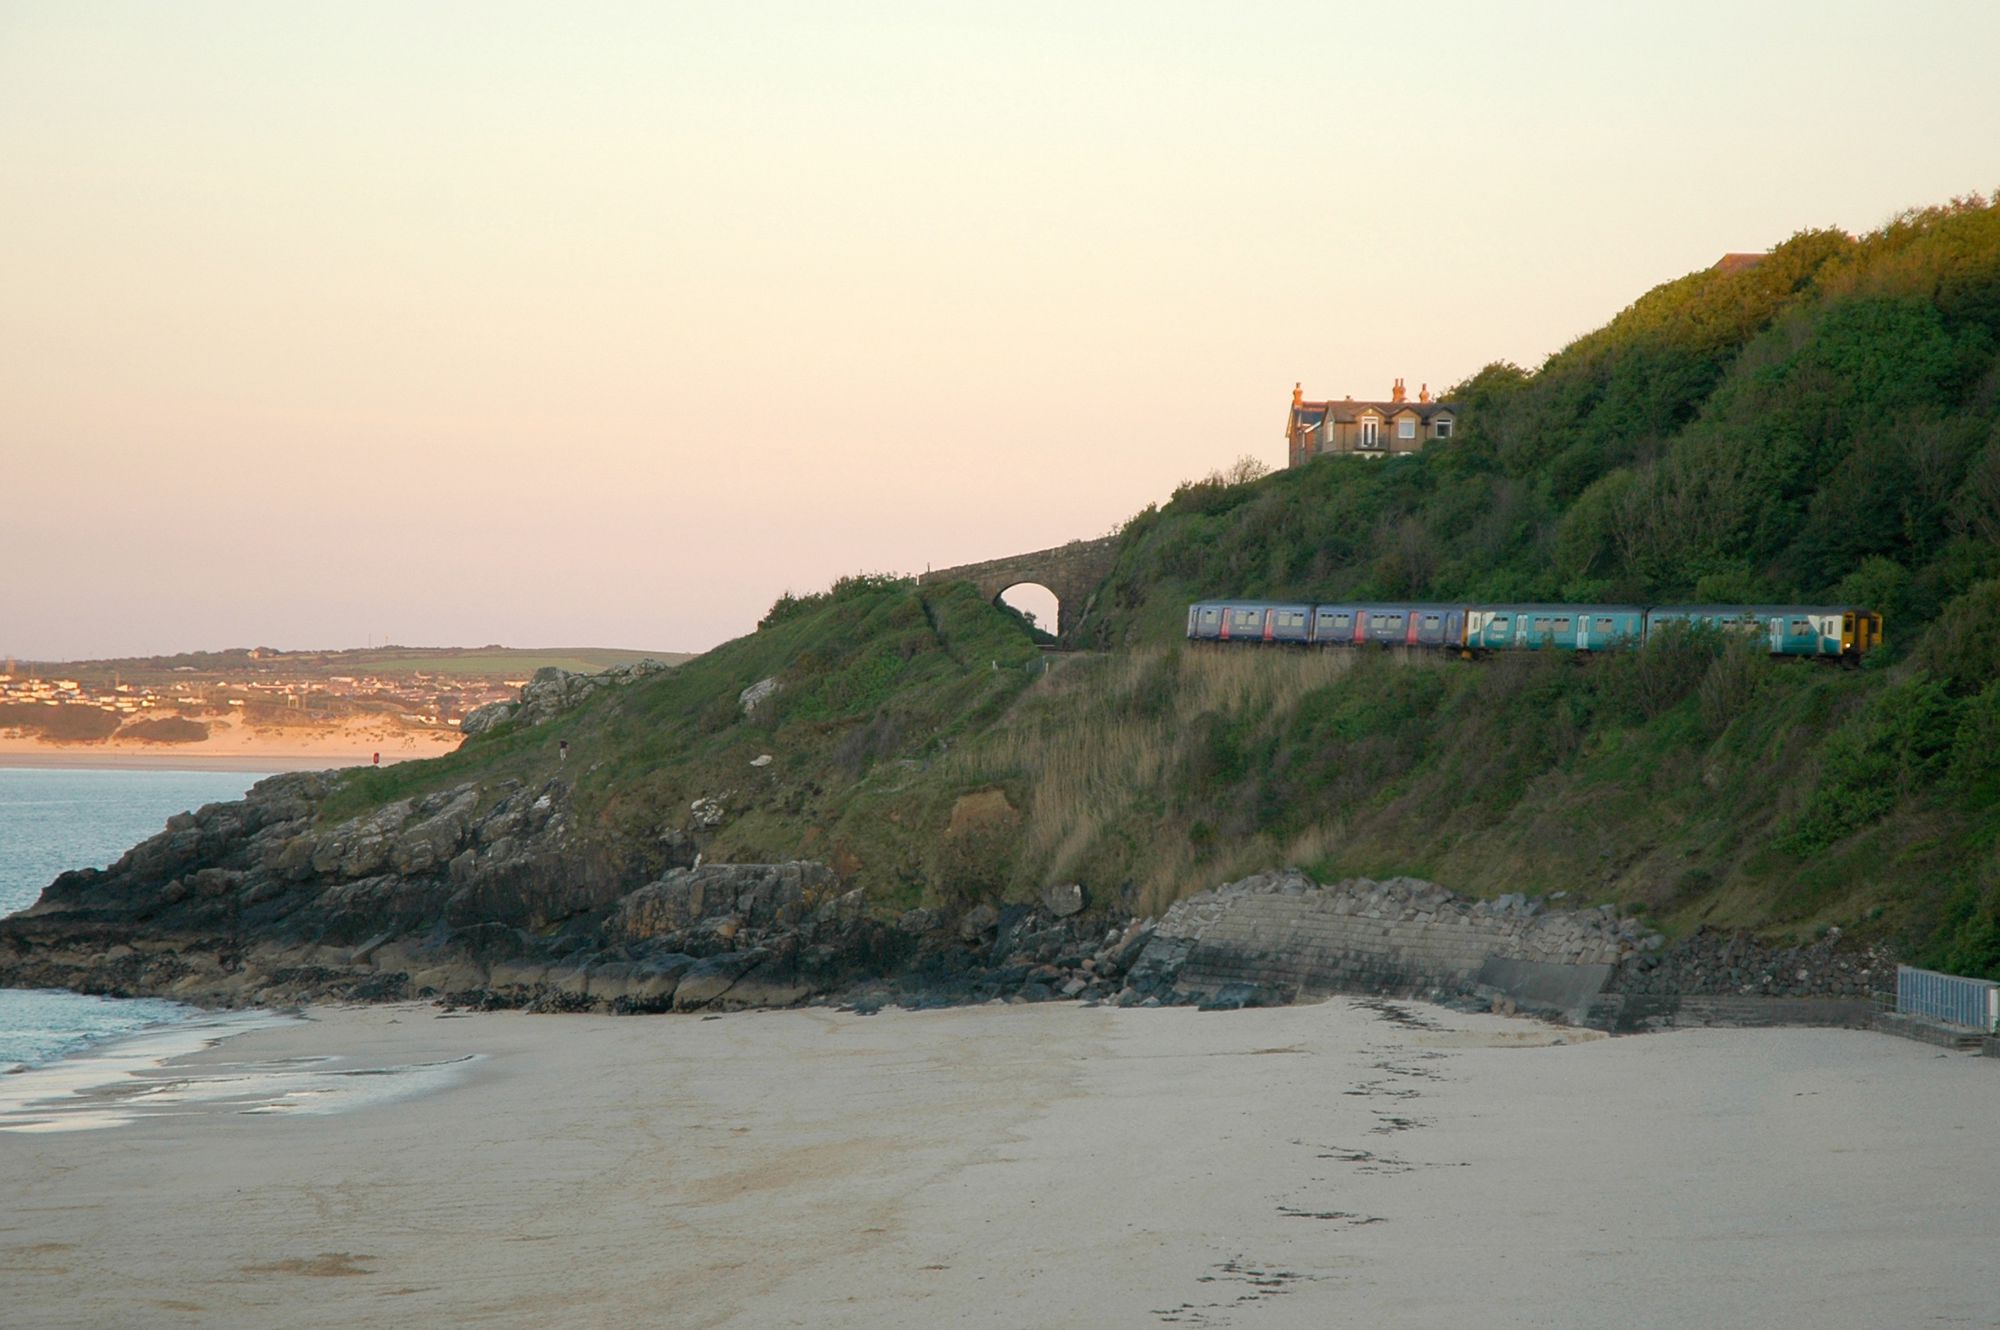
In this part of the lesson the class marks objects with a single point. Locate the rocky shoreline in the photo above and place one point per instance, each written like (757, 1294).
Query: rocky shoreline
(498, 898)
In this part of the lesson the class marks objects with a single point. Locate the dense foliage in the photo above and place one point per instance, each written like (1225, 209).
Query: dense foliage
(1820, 425)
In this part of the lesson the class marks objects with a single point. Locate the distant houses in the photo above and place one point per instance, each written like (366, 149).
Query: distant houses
(1347, 428)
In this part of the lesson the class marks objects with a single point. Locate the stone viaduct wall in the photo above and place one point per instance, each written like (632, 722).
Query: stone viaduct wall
(1073, 572)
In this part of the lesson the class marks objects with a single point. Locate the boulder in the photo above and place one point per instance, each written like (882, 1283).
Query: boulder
(978, 922)
(1063, 899)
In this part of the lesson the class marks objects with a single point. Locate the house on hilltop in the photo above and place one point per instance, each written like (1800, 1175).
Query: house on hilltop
(1348, 428)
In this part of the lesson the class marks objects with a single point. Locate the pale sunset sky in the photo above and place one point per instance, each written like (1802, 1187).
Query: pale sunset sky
(604, 324)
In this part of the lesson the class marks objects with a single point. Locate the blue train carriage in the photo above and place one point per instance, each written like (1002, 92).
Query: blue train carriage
(1248, 621)
(1553, 628)
(1430, 626)
(1823, 632)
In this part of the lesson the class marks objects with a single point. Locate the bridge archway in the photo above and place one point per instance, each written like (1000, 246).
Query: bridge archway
(1041, 605)
(1072, 573)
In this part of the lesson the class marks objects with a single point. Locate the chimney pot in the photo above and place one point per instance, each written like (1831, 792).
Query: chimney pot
(1396, 394)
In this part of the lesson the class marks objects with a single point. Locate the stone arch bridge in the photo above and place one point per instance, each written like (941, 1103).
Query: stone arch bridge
(1071, 572)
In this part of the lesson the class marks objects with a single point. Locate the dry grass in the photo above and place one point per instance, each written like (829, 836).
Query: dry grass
(1095, 775)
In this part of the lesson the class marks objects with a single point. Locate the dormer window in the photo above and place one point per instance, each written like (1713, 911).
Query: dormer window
(1406, 428)
(1443, 427)
(1371, 432)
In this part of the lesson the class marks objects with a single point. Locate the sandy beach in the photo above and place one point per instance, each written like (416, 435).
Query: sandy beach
(233, 745)
(1007, 1167)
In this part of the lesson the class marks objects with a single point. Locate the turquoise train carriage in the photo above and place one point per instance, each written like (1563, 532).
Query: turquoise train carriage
(1826, 632)
(1553, 627)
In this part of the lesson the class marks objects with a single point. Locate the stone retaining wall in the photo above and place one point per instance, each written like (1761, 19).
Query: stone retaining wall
(1289, 938)
(1280, 937)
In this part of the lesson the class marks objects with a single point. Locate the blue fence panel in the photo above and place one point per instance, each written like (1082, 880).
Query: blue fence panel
(1945, 997)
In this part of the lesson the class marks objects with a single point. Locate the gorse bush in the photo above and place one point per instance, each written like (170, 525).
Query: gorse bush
(851, 587)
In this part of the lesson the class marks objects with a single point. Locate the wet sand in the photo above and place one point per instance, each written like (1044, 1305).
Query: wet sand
(1013, 1166)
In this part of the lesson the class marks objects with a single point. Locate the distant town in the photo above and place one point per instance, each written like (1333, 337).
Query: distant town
(166, 697)
(416, 699)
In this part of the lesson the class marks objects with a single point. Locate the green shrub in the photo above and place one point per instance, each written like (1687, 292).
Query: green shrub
(1900, 743)
(1963, 646)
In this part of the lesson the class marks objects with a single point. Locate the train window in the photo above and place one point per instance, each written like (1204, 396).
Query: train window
(1562, 624)
(1342, 620)
(1247, 618)
(1499, 621)
(1604, 623)
(1430, 621)
(1802, 628)
(1541, 623)
(1392, 621)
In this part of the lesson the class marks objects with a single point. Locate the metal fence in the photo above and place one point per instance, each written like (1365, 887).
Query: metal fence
(1974, 1003)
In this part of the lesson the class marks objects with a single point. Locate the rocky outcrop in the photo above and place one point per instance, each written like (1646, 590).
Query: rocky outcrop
(1714, 963)
(496, 896)
(553, 691)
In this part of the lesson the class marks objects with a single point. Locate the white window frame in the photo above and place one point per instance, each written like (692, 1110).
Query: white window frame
(1406, 427)
(1371, 432)
(1442, 428)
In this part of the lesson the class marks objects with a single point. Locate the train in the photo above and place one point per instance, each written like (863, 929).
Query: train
(1823, 632)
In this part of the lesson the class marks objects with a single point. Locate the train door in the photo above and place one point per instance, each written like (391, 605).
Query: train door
(1454, 628)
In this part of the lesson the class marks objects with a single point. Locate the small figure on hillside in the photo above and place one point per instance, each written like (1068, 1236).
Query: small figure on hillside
(562, 751)
(378, 760)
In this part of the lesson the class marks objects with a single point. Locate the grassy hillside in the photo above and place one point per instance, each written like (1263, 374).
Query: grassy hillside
(1821, 426)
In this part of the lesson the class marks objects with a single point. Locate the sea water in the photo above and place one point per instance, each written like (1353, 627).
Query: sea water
(55, 819)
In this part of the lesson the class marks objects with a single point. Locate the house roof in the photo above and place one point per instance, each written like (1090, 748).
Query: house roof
(1306, 415)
